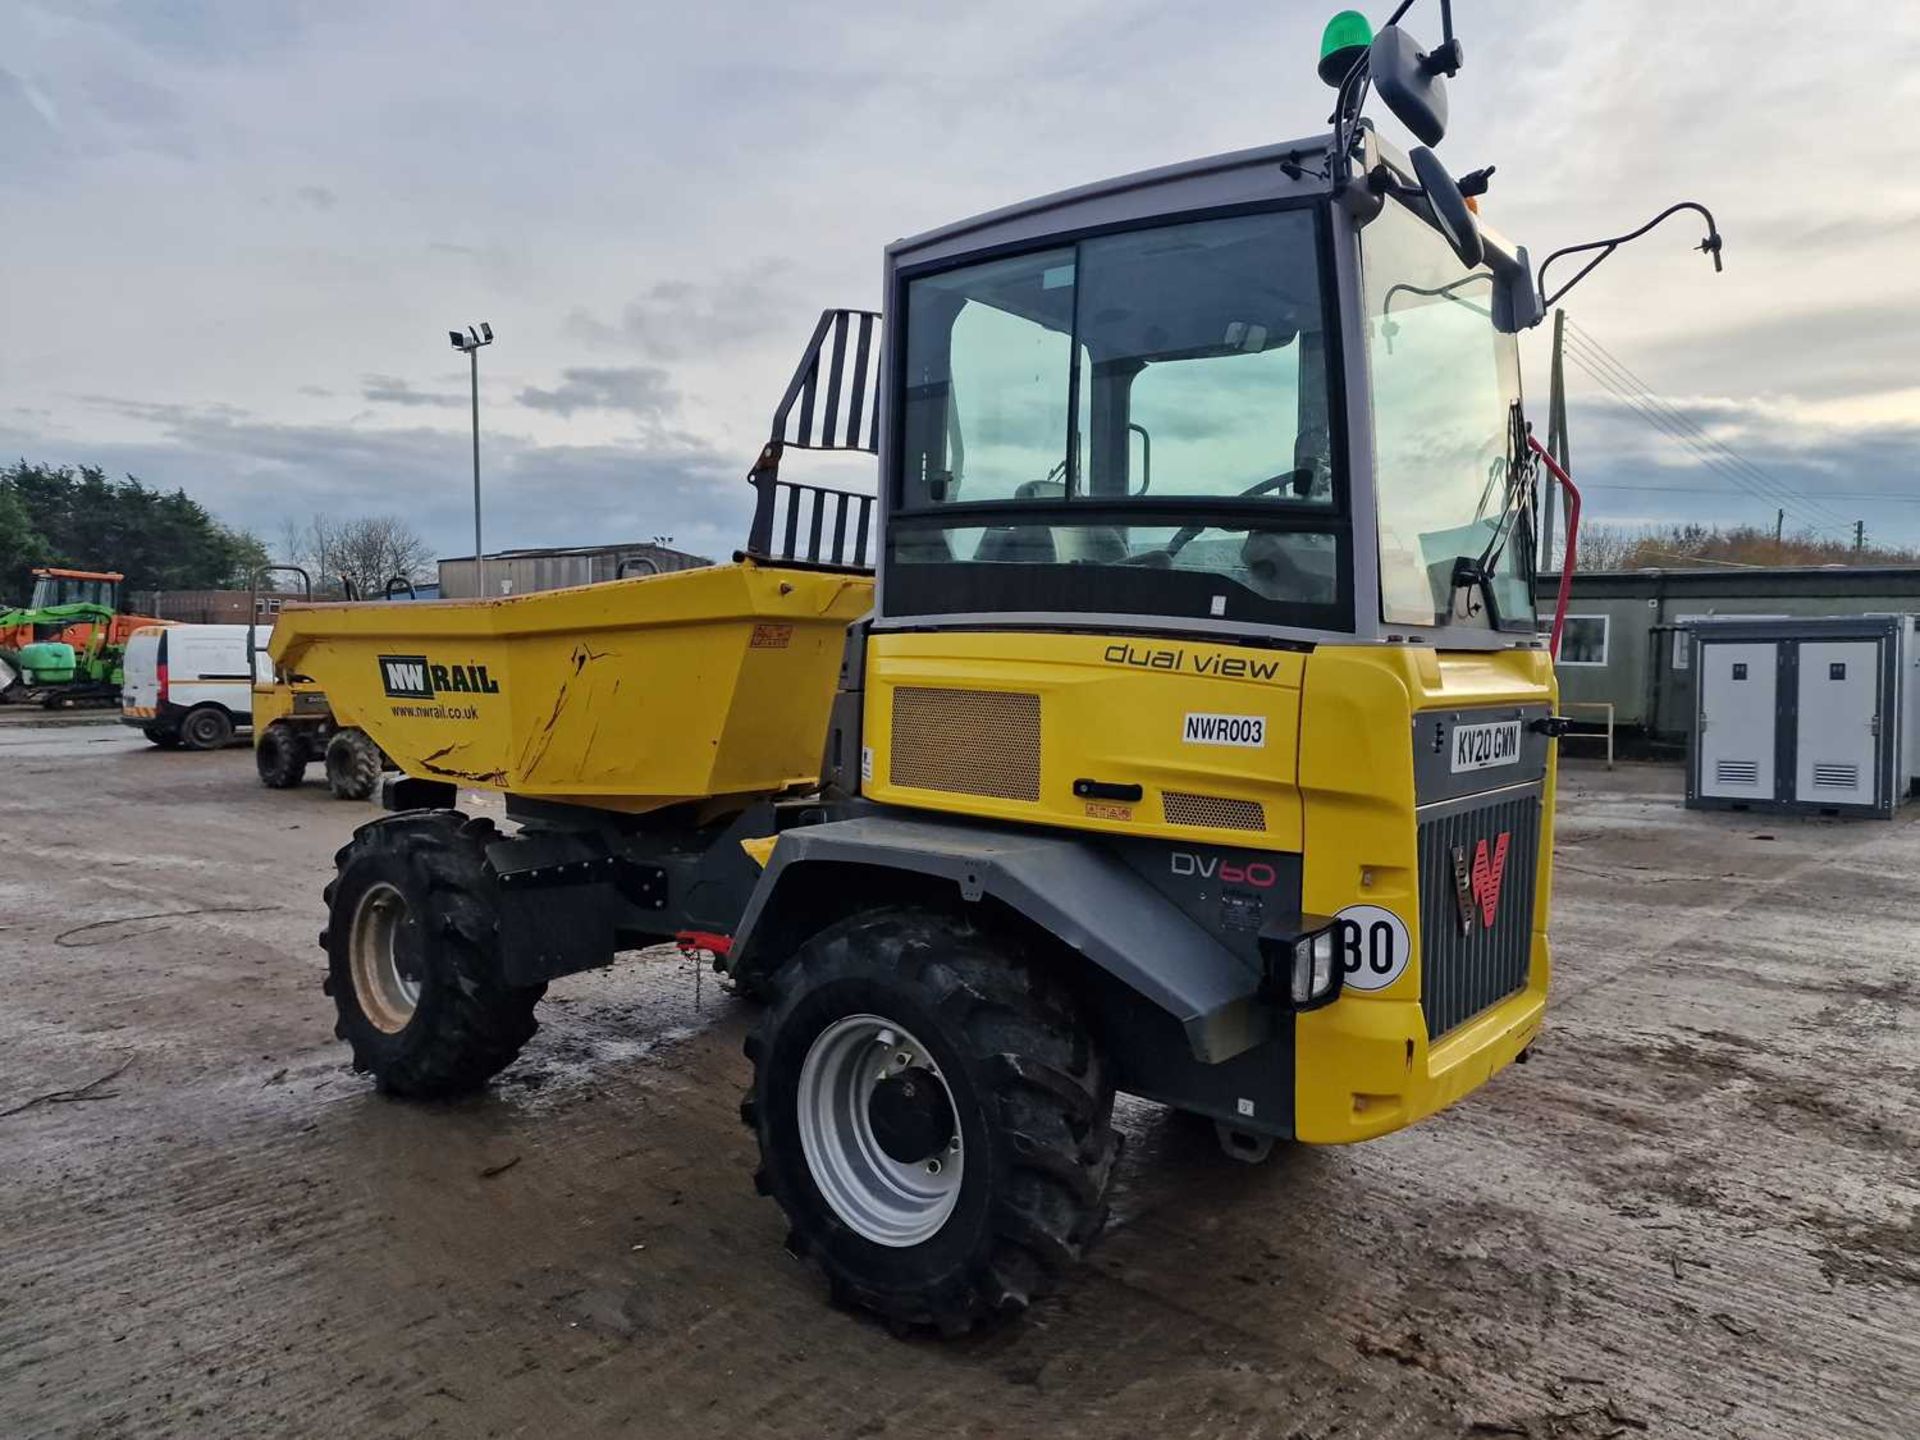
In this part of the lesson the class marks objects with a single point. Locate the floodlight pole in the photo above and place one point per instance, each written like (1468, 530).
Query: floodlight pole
(470, 343)
(479, 551)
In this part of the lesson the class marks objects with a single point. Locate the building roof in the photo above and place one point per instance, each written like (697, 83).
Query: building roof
(632, 547)
(1781, 580)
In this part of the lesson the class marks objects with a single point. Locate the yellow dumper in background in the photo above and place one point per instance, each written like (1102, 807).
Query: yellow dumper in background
(711, 684)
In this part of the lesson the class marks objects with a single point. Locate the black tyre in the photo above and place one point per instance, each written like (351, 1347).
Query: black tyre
(280, 755)
(353, 764)
(413, 957)
(933, 1117)
(206, 727)
(165, 739)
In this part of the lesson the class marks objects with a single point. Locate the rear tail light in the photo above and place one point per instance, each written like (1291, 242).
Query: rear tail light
(162, 669)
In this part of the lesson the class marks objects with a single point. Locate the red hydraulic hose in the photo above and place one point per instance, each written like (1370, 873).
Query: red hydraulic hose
(1573, 535)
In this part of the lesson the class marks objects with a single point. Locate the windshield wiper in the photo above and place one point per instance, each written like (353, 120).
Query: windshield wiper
(1469, 572)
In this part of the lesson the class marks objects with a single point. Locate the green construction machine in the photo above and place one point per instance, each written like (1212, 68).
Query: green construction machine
(57, 672)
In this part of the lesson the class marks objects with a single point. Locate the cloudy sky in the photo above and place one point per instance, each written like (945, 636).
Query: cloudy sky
(237, 231)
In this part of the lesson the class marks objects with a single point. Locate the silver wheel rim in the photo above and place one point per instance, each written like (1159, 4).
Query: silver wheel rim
(890, 1202)
(387, 997)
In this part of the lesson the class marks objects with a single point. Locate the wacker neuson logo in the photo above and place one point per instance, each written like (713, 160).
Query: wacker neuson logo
(414, 677)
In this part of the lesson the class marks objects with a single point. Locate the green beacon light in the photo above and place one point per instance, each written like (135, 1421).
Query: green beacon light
(1343, 41)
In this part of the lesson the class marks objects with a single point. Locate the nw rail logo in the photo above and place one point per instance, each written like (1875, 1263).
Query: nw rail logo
(414, 677)
(1477, 886)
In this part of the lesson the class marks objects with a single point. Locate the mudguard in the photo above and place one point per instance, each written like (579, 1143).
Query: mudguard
(1071, 887)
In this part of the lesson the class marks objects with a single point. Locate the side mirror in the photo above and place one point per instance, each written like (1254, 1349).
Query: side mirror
(1450, 211)
(1412, 82)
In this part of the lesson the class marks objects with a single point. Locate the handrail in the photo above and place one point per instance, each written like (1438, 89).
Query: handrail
(392, 581)
(1573, 538)
(620, 570)
(836, 411)
(837, 550)
(253, 605)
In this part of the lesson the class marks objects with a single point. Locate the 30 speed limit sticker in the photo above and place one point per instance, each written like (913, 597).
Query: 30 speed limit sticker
(1373, 945)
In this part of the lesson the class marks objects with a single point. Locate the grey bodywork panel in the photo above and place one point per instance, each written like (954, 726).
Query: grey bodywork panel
(1078, 890)
(1434, 736)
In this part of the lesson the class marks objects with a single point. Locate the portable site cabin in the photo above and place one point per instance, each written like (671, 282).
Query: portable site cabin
(1809, 714)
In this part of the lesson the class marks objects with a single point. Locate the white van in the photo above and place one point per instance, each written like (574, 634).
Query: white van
(187, 684)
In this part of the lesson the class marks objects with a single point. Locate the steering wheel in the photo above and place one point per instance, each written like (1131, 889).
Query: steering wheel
(1298, 479)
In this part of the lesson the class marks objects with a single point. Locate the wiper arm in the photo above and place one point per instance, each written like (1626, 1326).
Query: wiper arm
(1519, 490)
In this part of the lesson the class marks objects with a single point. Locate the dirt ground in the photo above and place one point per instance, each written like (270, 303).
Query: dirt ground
(1696, 1212)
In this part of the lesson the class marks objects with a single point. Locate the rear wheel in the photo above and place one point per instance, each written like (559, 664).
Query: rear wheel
(933, 1118)
(280, 755)
(414, 964)
(206, 727)
(353, 764)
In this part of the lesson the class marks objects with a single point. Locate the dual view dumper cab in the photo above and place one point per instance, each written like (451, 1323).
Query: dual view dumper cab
(1189, 735)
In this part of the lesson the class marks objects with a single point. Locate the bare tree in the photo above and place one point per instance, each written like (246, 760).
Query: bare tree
(366, 551)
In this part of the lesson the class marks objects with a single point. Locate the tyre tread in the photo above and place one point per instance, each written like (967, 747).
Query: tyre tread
(1040, 1073)
(482, 1021)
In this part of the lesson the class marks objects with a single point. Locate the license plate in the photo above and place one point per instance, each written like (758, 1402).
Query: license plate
(1483, 747)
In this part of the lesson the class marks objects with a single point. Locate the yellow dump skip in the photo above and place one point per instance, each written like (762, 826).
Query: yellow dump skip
(629, 695)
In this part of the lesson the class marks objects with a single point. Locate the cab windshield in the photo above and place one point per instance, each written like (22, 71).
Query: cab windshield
(1138, 423)
(51, 590)
(1447, 435)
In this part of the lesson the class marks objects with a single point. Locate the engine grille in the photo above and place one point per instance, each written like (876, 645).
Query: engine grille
(1464, 974)
(966, 742)
(1220, 812)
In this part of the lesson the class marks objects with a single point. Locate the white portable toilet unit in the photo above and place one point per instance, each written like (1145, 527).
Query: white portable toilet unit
(1814, 714)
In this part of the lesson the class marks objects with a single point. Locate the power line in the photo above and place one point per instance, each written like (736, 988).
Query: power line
(1717, 458)
(1764, 488)
(1863, 495)
(1613, 361)
(1779, 491)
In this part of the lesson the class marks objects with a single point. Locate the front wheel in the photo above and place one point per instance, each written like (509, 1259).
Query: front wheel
(933, 1117)
(280, 756)
(414, 963)
(353, 764)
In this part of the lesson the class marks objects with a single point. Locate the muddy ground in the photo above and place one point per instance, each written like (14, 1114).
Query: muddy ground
(1695, 1213)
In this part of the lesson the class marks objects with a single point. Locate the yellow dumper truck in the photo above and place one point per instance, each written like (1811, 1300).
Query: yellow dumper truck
(1174, 720)
(295, 723)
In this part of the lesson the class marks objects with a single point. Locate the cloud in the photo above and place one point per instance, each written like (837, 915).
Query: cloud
(255, 474)
(391, 390)
(677, 319)
(769, 172)
(641, 390)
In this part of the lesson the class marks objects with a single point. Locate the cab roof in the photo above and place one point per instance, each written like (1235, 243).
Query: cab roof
(1263, 174)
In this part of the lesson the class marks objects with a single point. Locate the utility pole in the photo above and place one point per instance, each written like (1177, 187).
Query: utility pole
(1556, 435)
(1859, 536)
(470, 344)
(1779, 533)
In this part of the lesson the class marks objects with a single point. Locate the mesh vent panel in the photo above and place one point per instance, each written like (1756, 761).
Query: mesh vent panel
(1214, 811)
(1736, 772)
(966, 742)
(1837, 777)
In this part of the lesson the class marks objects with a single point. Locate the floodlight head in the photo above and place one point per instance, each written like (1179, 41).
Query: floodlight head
(472, 335)
(459, 340)
(487, 331)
